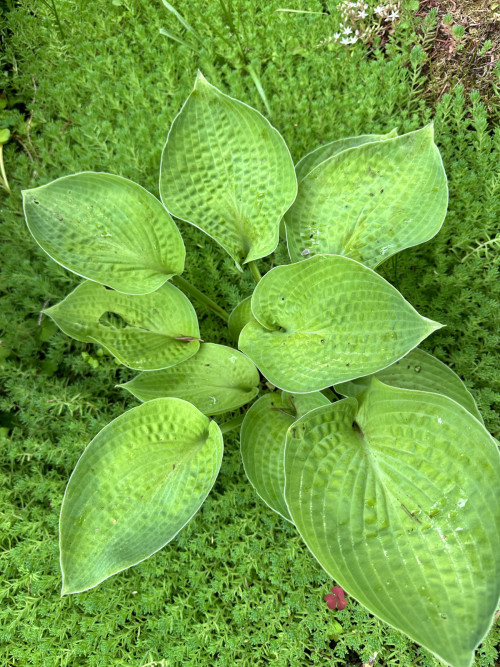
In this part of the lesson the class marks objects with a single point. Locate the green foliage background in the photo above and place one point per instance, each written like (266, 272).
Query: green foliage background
(237, 586)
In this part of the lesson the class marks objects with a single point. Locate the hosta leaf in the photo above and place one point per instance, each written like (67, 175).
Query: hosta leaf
(240, 316)
(145, 332)
(398, 501)
(306, 164)
(138, 483)
(226, 170)
(371, 201)
(106, 228)
(216, 379)
(326, 320)
(418, 370)
(263, 435)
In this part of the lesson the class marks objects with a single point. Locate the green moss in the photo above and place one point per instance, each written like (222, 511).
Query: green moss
(236, 586)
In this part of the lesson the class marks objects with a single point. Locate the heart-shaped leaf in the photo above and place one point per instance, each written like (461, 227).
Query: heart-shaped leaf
(106, 228)
(398, 501)
(226, 170)
(306, 164)
(138, 483)
(240, 316)
(371, 201)
(326, 320)
(263, 434)
(418, 370)
(216, 379)
(145, 332)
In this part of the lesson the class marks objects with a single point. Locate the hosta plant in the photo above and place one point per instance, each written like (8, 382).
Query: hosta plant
(372, 448)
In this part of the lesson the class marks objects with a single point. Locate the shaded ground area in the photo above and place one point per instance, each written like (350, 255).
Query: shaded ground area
(463, 46)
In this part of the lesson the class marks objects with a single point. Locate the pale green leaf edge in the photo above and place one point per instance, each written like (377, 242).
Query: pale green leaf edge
(106, 173)
(200, 77)
(139, 407)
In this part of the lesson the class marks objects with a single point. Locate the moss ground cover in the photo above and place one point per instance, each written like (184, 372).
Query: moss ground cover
(237, 586)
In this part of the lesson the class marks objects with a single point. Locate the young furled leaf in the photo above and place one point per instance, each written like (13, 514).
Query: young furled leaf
(240, 316)
(262, 439)
(227, 170)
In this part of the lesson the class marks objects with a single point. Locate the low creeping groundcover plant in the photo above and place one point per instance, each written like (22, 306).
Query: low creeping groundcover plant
(392, 487)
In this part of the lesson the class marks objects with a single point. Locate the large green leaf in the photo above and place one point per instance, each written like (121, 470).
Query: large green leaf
(216, 379)
(240, 316)
(106, 228)
(306, 164)
(326, 320)
(138, 483)
(418, 370)
(371, 201)
(398, 501)
(263, 435)
(226, 170)
(145, 332)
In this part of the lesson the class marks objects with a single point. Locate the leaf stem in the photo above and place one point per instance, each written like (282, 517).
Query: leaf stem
(2, 170)
(255, 270)
(202, 298)
(231, 424)
(52, 5)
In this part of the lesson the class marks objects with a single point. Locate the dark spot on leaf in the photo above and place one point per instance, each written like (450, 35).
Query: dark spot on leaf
(173, 467)
(381, 190)
(35, 202)
(357, 428)
(348, 364)
(372, 194)
(60, 219)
